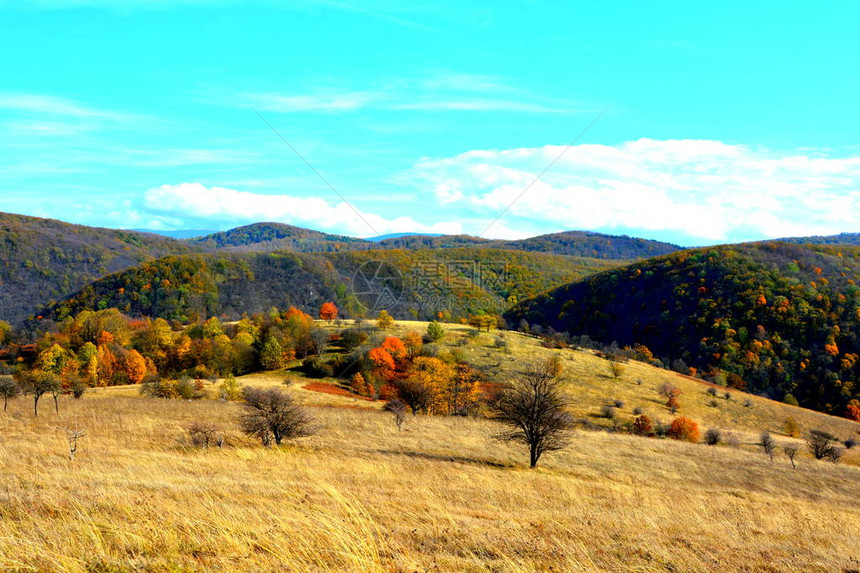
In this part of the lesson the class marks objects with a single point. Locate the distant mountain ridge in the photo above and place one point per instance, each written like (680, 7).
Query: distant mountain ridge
(268, 237)
(840, 239)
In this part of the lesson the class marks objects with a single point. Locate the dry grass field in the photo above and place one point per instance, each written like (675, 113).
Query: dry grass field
(441, 495)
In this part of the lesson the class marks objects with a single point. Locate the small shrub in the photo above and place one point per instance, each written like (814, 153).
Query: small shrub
(204, 434)
(661, 430)
(748, 403)
(188, 389)
(791, 428)
(732, 440)
(849, 443)
(78, 387)
(556, 365)
(834, 454)
(820, 444)
(713, 403)
(643, 426)
(712, 391)
(713, 436)
(501, 344)
(619, 403)
(638, 411)
(156, 387)
(230, 391)
(639, 381)
(616, 369)
(728, 396)
(608, 412)
(684, 429)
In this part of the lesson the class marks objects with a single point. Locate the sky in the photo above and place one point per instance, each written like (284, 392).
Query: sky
(693, 123)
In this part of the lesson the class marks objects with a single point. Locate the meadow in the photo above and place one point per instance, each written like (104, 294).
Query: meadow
(440, 495)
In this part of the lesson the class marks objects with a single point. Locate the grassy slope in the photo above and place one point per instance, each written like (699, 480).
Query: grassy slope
(441, 495)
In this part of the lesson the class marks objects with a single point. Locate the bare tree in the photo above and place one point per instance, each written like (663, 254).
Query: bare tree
(767, 444)
(74, 436)
(271, 414)
(37, 383)
(55, 394)
(8, 389)
(791, 453)
(398, 409)
(533, 406)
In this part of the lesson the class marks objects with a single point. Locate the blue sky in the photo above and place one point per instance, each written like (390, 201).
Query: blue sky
(723, 121)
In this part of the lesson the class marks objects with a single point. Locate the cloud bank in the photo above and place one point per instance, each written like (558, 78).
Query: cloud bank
(706, 190)
(218, 204)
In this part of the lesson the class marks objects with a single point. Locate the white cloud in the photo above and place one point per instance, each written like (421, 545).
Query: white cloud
(317, 102)
(49, 105)
(446, 91)
(195, 201)
(707, 190)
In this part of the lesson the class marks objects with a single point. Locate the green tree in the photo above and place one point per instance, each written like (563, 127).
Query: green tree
(8, 389)
(5, 330)
(272, 355)
(38, 383)
(435, 331)
(384, 320)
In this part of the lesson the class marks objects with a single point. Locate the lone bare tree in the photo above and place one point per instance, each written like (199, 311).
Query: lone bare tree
(8, 389)
(74, 436)
(271, 414)
(791, 453)
(533, 406)
(37, 383)
(398, 410)
(767, 444)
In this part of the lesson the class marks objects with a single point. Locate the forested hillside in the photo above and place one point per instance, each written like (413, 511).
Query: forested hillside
(777, 318)
(43, 260)
(456, 282)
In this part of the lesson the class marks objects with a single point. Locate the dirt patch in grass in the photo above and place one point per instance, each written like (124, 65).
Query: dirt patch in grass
(326, 388)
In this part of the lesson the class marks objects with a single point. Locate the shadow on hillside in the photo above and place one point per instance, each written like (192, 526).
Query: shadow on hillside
(447, 458)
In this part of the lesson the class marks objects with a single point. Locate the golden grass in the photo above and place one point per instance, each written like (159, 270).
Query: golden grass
(361, 496)
(441, 495)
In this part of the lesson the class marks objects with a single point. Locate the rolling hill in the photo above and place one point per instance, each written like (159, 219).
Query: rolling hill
(425, 282)
(43, 260)
(266, 237)
(777, 318)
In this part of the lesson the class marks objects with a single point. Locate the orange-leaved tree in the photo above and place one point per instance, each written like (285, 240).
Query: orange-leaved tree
(328, 311)
(684, 429)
